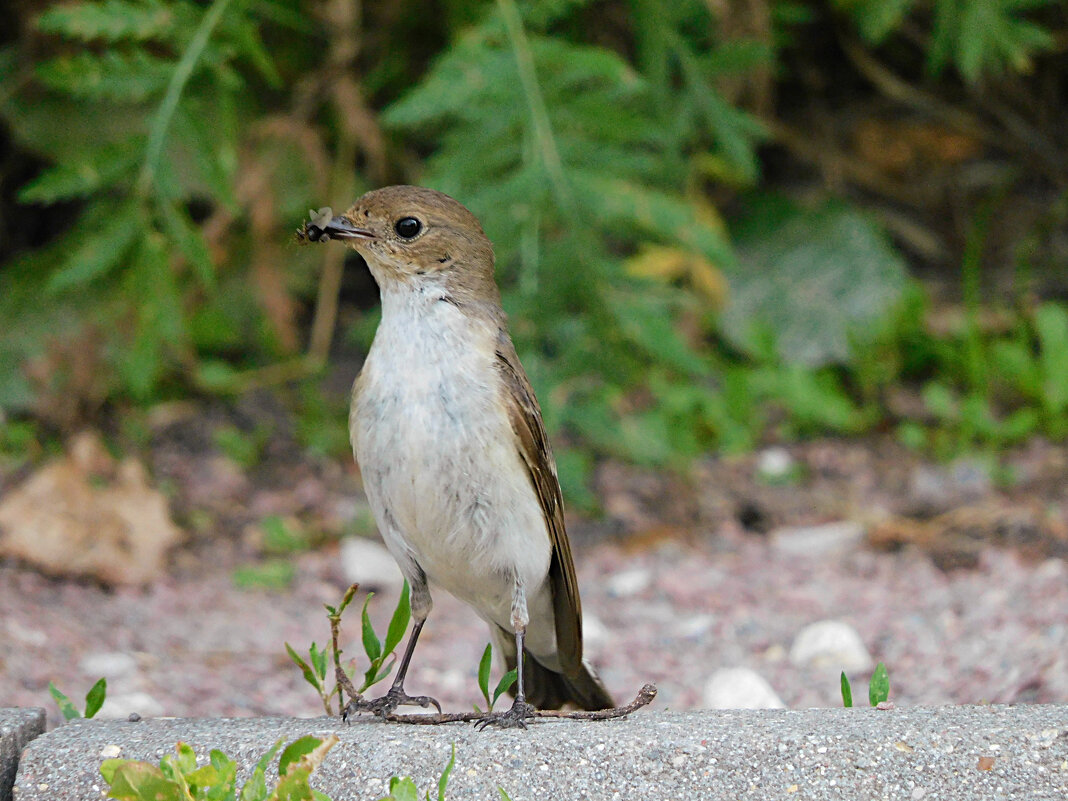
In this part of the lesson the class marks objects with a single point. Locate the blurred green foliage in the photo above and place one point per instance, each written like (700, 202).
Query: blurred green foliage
(597, 142)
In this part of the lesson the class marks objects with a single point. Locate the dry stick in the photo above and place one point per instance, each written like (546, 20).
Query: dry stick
(644, 696)
(342, 679)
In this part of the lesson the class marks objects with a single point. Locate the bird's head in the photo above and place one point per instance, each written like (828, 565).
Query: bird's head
(409, 234)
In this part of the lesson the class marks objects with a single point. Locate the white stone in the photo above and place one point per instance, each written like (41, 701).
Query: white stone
(368, 563)
(818, 540)
(740, 688)
(629, 582)
(108, 665)
(120, 707)
(832, 644)
(594, 632)
(775, 463)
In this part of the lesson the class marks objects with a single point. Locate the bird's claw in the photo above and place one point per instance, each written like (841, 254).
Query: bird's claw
(514, 718)
(383, 707)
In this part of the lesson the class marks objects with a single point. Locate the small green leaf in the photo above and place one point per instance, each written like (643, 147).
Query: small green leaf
(879, 687)
(295, 751)
(140, 781)
(507, 680)
(847, 692)
(64, 703)
(101, 251)
(350, 593)
(318, 658)
(372, 646)
(402, 789)
(255, 789)
(443, 782)
(305, 668)
(398, 624)
(504, 795)
(94, 699)
(265, 760)
(484, 673)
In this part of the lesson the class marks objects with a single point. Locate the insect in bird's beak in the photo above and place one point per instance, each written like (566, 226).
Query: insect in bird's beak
(324, 226)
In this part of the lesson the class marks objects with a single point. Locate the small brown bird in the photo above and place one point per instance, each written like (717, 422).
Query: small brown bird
(455, 460)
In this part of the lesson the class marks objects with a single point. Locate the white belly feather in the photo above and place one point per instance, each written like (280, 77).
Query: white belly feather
(439, 460)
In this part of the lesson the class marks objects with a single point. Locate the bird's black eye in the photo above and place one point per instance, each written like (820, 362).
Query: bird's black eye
(408, 227)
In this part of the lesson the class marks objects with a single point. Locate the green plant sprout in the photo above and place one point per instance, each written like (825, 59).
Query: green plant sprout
(381, 655)
(179, 779)
(507, 680)
(94, 699)
(405, 789)
(878, 687)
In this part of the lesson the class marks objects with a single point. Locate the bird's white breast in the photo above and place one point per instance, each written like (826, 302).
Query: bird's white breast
(438, 456)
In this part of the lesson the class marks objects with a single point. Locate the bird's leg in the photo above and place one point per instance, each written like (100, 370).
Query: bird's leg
(396, 696)
(521, 710)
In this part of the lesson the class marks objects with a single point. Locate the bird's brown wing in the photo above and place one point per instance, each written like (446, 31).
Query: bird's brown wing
(533, 444)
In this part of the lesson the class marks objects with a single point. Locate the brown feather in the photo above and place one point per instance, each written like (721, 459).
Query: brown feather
(525, 416)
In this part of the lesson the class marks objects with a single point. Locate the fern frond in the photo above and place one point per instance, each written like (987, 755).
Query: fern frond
(127, 77)
(109, 21)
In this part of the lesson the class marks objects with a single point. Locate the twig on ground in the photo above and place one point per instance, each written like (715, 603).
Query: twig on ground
(645, 695)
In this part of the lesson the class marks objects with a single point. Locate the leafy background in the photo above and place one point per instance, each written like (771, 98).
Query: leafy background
(717, 224)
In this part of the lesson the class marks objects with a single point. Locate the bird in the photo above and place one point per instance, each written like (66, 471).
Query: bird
(455, 459)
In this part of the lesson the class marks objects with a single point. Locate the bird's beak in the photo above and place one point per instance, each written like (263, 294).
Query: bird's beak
(324, 226)
(343, 228)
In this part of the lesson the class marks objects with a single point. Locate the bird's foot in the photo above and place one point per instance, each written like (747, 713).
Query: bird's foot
(514, 718)
(383, 707)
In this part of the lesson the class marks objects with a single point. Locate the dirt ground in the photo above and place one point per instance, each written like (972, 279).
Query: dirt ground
(955, 577)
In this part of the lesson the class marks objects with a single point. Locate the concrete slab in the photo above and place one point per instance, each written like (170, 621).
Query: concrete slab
(17, 728)
(967, 752)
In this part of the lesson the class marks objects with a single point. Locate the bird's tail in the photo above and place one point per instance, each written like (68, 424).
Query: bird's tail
(551, 689)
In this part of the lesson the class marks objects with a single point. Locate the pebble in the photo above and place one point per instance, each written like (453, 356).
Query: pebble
(629, 582)
(369, 564)
(831, 643)
(108, 664)
(740, 688)
(775, 464)
(818, 540)
(121, 707)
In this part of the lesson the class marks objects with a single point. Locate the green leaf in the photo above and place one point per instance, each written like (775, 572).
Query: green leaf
(94, 699)
(128, 77)
(310, 675)
(67, 708)
(267, 756)
(186, 758)
(96, 169)
(443, 782)
(318, 659)
(108, 20)
(1051, 323)
(402, 789)
(140, 781)
(372, 646)
(847, 692)
(296, 751)
(877, 19)
(484, 665)
(100, 251)
(187, 237)
(398, 623)
(879, 687)
(507, 680)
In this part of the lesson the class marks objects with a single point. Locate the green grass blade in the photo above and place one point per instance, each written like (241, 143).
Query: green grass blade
(484, 672)
(847, 692)
(398, 624)
(879, 687)
(94, 699)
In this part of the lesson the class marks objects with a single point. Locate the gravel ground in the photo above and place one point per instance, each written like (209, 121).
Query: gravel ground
(666, 613)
